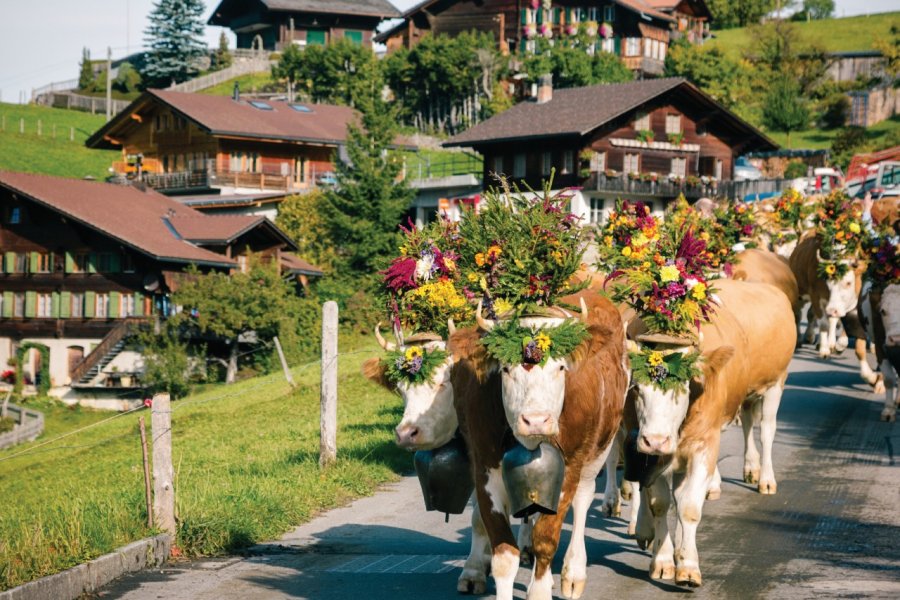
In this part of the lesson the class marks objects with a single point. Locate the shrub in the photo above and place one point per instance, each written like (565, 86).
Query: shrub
(795, 169)
(7, 424)
(835, 111)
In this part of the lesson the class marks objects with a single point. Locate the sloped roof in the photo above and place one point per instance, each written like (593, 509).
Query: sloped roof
(367, 8)
(644, 6)
(671, 5)
(222, 229)
(576, 112)
(293, 263)
(223, 116)
(138, 219)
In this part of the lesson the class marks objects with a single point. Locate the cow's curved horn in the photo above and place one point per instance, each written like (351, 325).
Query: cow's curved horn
(584, 310)
(398, 334)
(451, 326)
(383, 342)
(821, 258)
(485, 324)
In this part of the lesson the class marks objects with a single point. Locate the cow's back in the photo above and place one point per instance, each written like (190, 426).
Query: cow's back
(762, 266)
(804, 264)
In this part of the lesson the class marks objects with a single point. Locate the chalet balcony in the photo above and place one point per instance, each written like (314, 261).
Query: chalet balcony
(644, 64)
(692, 187)
(185, 181)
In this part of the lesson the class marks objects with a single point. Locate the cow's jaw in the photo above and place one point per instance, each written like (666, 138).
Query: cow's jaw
(890, 316)
(660, 415)
(842, 295)
(429, 416)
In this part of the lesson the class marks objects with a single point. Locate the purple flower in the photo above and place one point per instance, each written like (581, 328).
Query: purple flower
(532, 353)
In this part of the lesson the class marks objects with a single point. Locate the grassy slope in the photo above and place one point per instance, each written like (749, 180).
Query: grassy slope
(248, 83)
(821, 138)
(849, 33)
(31, 153)
(246, 470)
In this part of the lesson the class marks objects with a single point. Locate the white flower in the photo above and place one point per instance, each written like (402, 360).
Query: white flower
(739, 247)
(423, 267)
(690, 282)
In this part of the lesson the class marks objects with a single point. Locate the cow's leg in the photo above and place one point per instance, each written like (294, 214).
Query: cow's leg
(690, 490)
(771, 400)
(473, 579)
(827, 327)
(715, 486)
(574, 571)
(751, 416)
(890, 392)
(635, 506)
(659, 498)
(808, 337)
(493, 503)
(523, 540)
(865, 371)
(612, 501)
(627, 489)
(842, 340)
(643, 522)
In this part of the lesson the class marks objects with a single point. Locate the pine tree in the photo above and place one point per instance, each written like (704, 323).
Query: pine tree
(363, 211)
(86, 73)
(175, 41)
(222, 59)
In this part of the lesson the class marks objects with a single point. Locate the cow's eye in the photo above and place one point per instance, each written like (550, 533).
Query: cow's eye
(562, 367)
(506, 370)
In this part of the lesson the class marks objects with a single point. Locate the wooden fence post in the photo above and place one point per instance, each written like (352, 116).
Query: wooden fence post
(163, 473)
(148, 494)
(21, 125)
(284, 365)
(328, 423)
(71, 134)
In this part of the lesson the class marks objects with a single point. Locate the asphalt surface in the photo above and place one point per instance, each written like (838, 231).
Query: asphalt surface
(832, 531)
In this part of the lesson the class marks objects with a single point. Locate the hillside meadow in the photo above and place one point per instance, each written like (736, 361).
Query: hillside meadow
(246, 462)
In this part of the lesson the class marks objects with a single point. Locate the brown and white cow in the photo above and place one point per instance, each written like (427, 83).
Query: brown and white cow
(762, 266)
(880, 314)
(746, 350)
(575, 402)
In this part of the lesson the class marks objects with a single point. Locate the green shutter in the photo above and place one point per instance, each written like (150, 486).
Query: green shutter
(70, 263)
(315, 37)
(354, 36)
(115, 262)
(138, 304)
(92, 262)
(617, 46)
(90, 303)
(115, 300)
(54, 305)
(8, 301)
(35, 262)
(524, 16)
(30, 304)
(65, 304)
(10, 262)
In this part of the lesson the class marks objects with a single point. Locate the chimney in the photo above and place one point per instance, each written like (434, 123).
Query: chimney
(236, 95)
(545, 88)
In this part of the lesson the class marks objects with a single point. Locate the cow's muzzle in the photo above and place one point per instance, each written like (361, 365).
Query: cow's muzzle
(537, 425)
(658, 444)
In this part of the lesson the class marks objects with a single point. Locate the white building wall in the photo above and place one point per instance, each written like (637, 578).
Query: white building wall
(59, 356)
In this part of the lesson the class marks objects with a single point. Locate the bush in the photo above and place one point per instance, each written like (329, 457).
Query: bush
(128, 79)
(835, 111)
(167, 365)
(795, 169)
(7, 424)
(848, 142)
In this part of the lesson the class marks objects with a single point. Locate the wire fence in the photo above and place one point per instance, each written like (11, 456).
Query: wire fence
(41, 128)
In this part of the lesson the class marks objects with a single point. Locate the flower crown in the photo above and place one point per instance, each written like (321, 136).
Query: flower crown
(666, 370)
(736, 225)
(791, 211)
(414, 364)
(512, 344)
(883, 257)
(839, 231)
(718, 252)
(629, 236)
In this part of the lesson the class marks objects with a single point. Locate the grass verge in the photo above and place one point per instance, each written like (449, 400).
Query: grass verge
(816, 139)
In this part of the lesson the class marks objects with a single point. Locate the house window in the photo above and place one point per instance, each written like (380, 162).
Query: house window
(80, 264)
(596, 212)
(498, 164)
(678, 167)
(315, 37)
(44, 305)
(592, 14)
(648, 48)
(128, 263)
(608, 45)
(243, 262)
(21, 263)
(673, 123)
(632, 46)
(662, 50)
(642, 121)
(101, 306)
(300, 169)
(609, 13)
(546, 163)
(19, 304)
(15, 215)
(568, 162)
(519, 165)
(44, 263)
(127, 306)
(598, 162)
(632, 163)
(354, 36)
(77, 306)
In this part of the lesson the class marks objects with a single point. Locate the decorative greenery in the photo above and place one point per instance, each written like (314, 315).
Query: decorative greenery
(415, 364)
(43, 375)
(736, 225)
(676, 138)
(717, 252)
(839, 231)
(645, 136)
(883, 268)
(666, 370)
(512, 344)
(791, 210)
(629, 237)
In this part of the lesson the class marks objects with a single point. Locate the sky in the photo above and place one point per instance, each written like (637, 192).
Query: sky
(41, 40)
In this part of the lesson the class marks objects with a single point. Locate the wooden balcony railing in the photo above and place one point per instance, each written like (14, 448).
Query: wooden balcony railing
(115, 335)
(664, 188)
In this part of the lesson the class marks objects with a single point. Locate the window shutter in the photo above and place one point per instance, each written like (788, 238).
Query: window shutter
(54, 305)
(617, 46)
(92, 262)
(30, 304)
(10, 260)
(115, 262)
(115, 300)
(70, 263)
(35, 262)
(8, 304)
(90, 304)
(65, 304)
(138, 304)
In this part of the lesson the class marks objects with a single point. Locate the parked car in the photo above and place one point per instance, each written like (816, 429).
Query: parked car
(744, 171)
(328, 178)
(882, 179)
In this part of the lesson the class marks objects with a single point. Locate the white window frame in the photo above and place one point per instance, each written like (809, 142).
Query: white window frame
(608, 45)
(519, 163)
(592, 13)
(631, 163)
(18, 304)
(609, 13)
(598, 162)
(546, 163)
(44, 308)
(101, 306)
(648, 48)
(498, 164)
(126, 308)
(678, 167)
(632, 46)
(596, 210)
(77, 305)
(641, 121)
(663, 46)
(673, 123)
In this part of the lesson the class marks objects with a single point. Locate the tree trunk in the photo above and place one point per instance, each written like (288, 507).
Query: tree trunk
(231, 372)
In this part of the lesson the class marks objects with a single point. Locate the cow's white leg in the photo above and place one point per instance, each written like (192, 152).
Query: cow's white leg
(889, 413)
(627, 489)
(635, 506)
(574, 571)
(715, 486)
(473, 578)
(826, 337)
(690, 490)
(770, 402)
(504, 566)
(843, 341)
(659, 498)
(523, 539)
(833, 323)
(751, 416)
(504, 554)
(612, 501)
(865, 371)
(643, 522)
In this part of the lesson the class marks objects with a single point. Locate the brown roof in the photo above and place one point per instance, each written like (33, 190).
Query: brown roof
(202, 228)
(367, 8)
(644, 6)
(222, 116)
(575, 112)
(295, 264)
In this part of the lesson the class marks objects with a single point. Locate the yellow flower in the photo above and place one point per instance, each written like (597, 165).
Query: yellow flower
(608, 240)
(413, 352)
(519, 263)
(450, 264)
(543, 341)
(472, 277)
(479, 259)
(669, 273)
(502, 306)
(483, 283)
(403, 250)
(557, 256)
(854, 227)
(830, 269)
(494, 251)
(656, 359)
(691, 309)
(639, 240)
(626, 251)
(646, 264)
(699, 291)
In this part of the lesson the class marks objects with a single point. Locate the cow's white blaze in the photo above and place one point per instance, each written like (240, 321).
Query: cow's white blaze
(429, 417)
(533, 394)
(842, 295)
(660, 415)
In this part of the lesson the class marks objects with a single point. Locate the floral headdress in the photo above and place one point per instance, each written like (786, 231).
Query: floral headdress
(414, 364)
(737, 225)
(664, 369)
(839, 231)
(883, 256)
(629, 237)
(790, 211)
(512, 344)
(717, 251)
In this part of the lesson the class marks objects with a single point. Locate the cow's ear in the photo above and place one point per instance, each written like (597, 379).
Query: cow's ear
(598, 336)
(374, 370)
(716, 360)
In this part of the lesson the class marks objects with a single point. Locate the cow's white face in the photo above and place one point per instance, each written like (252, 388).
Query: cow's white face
(429, 416)
(842, 295)
(533, 394)
(660, 415)
(890, 315)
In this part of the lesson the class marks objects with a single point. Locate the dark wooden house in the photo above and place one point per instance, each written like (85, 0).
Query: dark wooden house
(653, 139)
(273, 24)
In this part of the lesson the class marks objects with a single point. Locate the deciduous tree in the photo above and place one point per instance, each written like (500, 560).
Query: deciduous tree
(175, 39)
(785, 109)
(729, 13)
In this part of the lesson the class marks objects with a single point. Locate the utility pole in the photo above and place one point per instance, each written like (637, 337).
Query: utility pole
(108, 83)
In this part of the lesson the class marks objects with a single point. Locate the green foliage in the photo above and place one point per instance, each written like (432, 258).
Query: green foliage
(499, 101)
(711, 70)
(85, 71)
(415, 365)
(817, 9)
(609, 68)
(222, 58)
(300, 217)
(7, 424)
(664, 370)
(128, 80)
(794, 169)
(835, 111)
(728, 13)
(889, 46)
(571, 65)
(168, 366)
(331, 74)
(175, 40)
(43, 376)
(849, 141)
(512, 344)
(785, 109)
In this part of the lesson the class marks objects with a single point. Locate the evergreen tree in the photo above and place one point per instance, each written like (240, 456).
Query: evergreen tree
(175, 41)
(222, 58)
(86, 73)
(785, 109)
(362, 212)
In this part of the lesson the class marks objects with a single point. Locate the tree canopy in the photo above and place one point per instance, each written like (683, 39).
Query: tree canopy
(785, 110)
(728, 13)
(330, 73)
(175, 39)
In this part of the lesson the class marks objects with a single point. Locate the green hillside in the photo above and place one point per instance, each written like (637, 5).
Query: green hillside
(836, 35)
(33, 153)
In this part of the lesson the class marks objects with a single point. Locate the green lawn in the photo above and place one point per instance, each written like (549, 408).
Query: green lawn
(33, 153)
(815, 139)
(441, 163)
(253, 82)
(246, 461)
(849, 33)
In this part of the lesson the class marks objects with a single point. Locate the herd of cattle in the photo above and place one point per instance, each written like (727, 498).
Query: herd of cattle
(586, 403)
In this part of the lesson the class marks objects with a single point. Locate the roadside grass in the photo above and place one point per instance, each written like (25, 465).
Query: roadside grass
(246, 462)
(441, 163)
(835, 35)
(816, 139)
(252, 82)
(32, 153)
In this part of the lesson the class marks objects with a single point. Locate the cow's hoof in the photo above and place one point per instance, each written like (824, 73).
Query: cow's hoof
(751, 475)
(472, 582)
(612, 509)
(662, 569)
(642, 542)
(535, 593)
(573, 588)
(768, 488)
(888, 415)
(878, 386)
(526, 556)
(713, 494)
(625, 491)
(824, 355)
(688, 576)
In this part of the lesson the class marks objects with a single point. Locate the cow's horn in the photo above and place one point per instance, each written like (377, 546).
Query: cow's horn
(584, 310)
(383, 342)
(632, 346)
(451, 326)
(485, 324)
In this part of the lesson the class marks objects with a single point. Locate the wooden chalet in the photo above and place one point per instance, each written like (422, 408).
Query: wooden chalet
(652, 139)
(181, 143)
(639, 31)
(273, 24)
(82, 261)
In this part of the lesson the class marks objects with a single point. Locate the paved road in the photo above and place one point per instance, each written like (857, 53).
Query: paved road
(832, 531)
